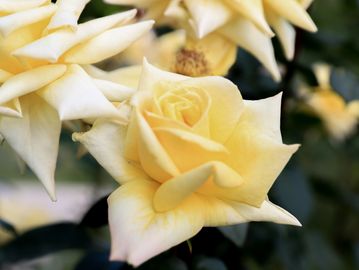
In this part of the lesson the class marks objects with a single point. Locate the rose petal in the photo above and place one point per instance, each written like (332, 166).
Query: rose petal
(75, 96)
(207, 15)
(246, 35)
(29, 81)
(174, 191)
(109, 152)
(35, 138)
(138, 232)
(293, 12)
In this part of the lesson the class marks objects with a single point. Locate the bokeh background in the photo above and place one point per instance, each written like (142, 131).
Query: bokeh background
(320, 185)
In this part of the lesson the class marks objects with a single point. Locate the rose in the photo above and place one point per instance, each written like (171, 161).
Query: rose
(247, 24)
(41, 81)
(194, 154)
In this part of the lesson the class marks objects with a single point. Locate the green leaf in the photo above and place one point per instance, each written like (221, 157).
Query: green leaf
(236, 233)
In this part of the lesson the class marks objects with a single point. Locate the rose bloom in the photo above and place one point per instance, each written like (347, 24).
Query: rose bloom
(194, 154)
(248, 24)
(41, 80)
(340, 118)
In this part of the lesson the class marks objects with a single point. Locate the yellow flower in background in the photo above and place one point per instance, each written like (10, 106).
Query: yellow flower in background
(246, 23)
(183, 54)
(339, 118)
(194, 154)
(41, 81)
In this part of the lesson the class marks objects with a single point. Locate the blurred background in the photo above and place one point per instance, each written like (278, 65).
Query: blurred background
(320, 185)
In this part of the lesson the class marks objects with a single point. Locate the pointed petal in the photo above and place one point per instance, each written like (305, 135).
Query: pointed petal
(322, 73)
(107, 44)
(174, 191)
(67, 14)
(247, 36)
(221, 213)
(208, 15)
(293, 12)
(285, 32)
(138, 232)
(29, 81)
(109, 153)
(114, 92)
(75, 96)
(265, 114)
(35, 138)
(52, 46)
(15, 21)
(261, 160)
(253, 11)
(10, 6)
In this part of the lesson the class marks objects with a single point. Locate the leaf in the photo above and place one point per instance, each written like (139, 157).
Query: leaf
(236, 233)
(8, 227)
(345, 83)
(44, 240)
(98, 260)
(97, 215)
(207, 263)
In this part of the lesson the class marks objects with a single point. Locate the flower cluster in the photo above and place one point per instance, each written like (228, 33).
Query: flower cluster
(187, 150)
(245, 23)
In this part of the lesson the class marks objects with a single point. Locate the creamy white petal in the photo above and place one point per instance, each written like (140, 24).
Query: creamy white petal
(293, 11)
(30, 81)
(52, 46)
(11, 108)
(105, 141)
(35, 138)
(4, 75)
(12, 22)
(247, 36)
(10, 6)
(75, 96)
(208, 15)
(114, 92)
(67, 14)
(138, 232)
(285, 31)
(107, 44)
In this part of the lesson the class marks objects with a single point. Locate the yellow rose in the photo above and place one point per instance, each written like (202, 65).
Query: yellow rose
(41, 80)
(194, 154)
(339, 118)
(245, 23)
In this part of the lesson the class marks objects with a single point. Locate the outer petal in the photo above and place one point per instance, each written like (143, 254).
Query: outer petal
(4, 75)
(109, 152)
(29, 81)
(35, 137)
(114, 92)
(138, 232)
(67, 14)
(220, 213)
(247, 36)
(174, 191)
(208, 15)
(253, 10)
(264, 114)
(259, 159)
(15, 21)
(75, 96)
(52, 46)
(107, 44)
(285, 32)
(293, 12)
(11, 6)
